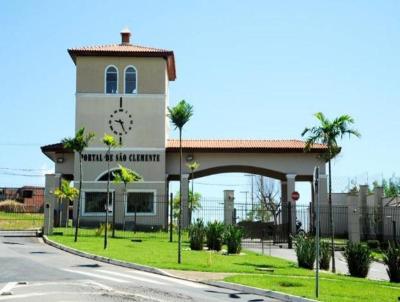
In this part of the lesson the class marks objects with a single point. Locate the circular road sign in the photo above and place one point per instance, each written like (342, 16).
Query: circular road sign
(295, 195)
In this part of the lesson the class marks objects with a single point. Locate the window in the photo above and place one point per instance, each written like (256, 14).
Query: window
(140, 202)
(27, 194)
(130, 80)
(95, 202)
(111, 79)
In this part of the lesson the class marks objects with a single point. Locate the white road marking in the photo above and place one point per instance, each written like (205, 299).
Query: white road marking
(22, 296)
(96, 276)
(130, 277)
(7, 288)
(172, 280)
(102, 286)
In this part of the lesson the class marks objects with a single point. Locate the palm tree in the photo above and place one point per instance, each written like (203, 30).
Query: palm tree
(65, 191)
(78, 144)
(126, 176)
(179, 116)
(328, 132)
(193, 166)
(110, 142)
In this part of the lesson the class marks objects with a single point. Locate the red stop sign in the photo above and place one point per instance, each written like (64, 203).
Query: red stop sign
(295, 195)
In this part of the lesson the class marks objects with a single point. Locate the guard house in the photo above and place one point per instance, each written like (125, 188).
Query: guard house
(122, 89)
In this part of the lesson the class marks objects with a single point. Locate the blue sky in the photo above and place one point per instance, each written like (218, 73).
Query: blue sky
(256, 69)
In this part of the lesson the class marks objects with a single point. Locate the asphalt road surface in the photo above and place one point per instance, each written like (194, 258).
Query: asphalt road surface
(33, 271)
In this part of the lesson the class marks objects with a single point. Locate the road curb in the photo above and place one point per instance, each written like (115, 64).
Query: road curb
(221, 284)
(139, 267)
(258, 291)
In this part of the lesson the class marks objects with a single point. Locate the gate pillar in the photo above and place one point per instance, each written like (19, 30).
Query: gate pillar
(52, 181)
(229, 198)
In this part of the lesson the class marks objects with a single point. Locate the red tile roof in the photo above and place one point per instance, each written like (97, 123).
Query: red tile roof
(229, 145)
(127, 50)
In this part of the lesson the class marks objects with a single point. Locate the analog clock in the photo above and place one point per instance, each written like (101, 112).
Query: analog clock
(120, 122)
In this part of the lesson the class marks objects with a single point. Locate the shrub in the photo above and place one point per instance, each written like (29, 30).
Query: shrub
(391, 258)
(215, 234)
(325, 255)
(233, 239)
(358, 257)
(305, 251)
(373, 244)
(99, 231)
(12, 206)
(197, 232)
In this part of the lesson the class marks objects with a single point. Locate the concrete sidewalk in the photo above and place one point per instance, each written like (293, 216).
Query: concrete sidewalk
(377, 270)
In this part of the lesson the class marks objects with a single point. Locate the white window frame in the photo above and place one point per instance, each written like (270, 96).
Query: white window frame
(105, 79)
(136, 72)
(105, 173)
(112, 191)
(154, 213)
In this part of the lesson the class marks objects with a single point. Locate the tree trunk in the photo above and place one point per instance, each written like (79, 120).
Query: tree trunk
(180, 199)
(79, 198)
(107, 199)
(331, 218)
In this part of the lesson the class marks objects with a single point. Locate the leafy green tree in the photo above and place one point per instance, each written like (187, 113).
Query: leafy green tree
(328, 132)
(125, 175)
(192, 166)
(65, 191)
(194, 202)
(78, 145)
(179, 116)
(110, 142)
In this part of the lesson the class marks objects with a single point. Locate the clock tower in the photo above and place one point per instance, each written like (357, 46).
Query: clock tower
(122, 90)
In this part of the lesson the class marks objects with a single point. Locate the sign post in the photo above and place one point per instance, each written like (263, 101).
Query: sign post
(316, 180)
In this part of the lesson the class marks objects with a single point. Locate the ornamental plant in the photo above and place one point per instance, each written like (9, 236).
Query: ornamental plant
(325, 255)
(391, 257)
(197, 233)
(305, 251)
(215, 235)
(233, 239)
(358, 257)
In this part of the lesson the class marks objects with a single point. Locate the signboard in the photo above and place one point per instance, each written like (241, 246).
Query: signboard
(295, 195)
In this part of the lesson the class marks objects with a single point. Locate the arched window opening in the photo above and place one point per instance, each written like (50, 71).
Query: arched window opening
(104, 177)
(130, 80)
(111, 80)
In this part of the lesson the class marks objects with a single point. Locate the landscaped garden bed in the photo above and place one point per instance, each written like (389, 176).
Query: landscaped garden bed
(252, 269)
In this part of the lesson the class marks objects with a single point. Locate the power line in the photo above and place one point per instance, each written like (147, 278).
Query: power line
(21, 174)
(22, 169)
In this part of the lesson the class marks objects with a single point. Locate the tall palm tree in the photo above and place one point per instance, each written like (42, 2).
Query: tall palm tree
(179, 116)
(126, 176)
(193, 166)
(328, 132)
(78, 144)
(65, 191)
(110, 142)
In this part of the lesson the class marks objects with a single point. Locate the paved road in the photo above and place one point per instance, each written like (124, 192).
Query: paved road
(377, 270)
(33, 271)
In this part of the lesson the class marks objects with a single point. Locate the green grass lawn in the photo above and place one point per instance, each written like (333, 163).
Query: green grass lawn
(155, 250)
(20, 221)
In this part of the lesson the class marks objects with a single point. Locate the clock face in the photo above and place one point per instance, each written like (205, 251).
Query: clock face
(120, 122)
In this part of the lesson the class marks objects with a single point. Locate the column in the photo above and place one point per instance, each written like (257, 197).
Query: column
(52, 181)
(185, 200)
(379, 218)
(365, 229)
(229, 198)
(164, 200)
(290, 188)
(324, 217)
(353, 217)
